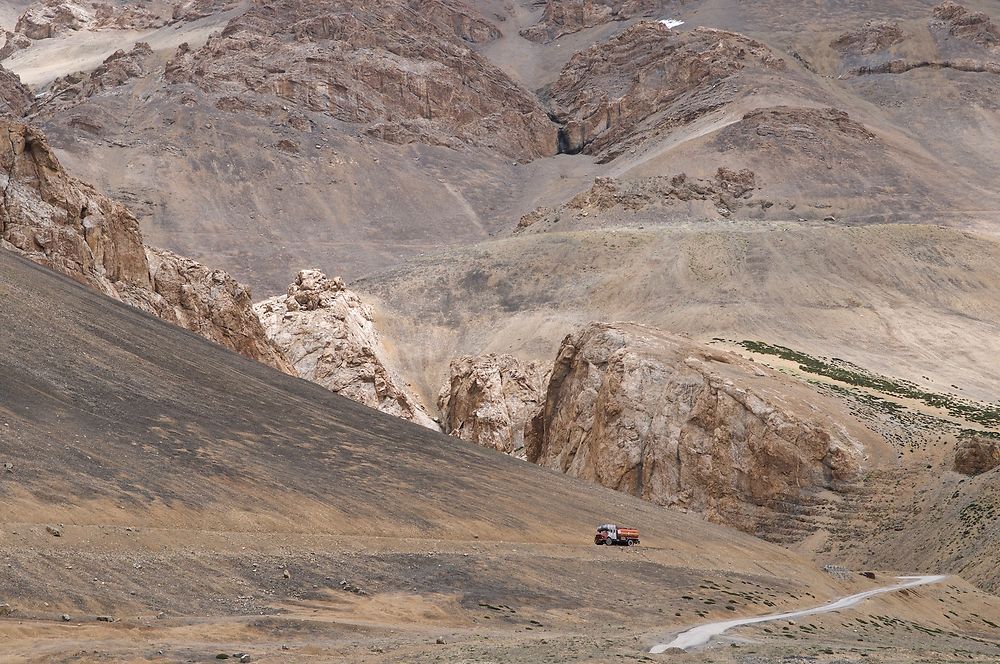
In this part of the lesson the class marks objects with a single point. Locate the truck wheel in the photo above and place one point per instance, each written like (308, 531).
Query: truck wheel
(631, 542)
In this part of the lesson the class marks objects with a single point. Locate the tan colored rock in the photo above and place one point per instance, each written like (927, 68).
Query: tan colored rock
(976, 455)
(62, 223)
(66, 225)
(680, 424)
(208, 302)
(489, 399)
(328, 336)
(400, 73)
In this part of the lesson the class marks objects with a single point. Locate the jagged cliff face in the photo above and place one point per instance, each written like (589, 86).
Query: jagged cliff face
(489, 399)
(679, 424)
(66, 225)
(328, 336)
(400, 71)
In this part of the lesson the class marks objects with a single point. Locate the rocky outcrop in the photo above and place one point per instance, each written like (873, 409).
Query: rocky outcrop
(562, 17)
(467, 23)
(328, 336)
(679, 424)
(721, 196)
(976, 455)
(386, 68)
(607, 95)
(972, 26)
(15, 98)
(48, 18)
(11, 43)
(117, 69)
(873, 37)
(192, 10)
(208, 302)
(489, 399)
(63, 223)
(66, 225)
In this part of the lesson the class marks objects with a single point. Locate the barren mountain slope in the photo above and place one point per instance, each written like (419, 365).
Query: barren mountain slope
(203, 490)
(65, 224)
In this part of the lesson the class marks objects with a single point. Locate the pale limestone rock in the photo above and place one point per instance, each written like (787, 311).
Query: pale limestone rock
(489, 399)
(328, 336)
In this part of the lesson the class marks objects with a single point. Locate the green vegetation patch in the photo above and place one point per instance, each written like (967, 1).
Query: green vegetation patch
(987, 415)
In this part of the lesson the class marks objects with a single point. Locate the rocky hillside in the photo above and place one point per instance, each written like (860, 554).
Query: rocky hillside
(66, 225)
(402, 74)
(328, 336)
(651, 79)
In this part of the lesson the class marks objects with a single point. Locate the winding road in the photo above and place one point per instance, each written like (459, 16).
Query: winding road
(702, 634)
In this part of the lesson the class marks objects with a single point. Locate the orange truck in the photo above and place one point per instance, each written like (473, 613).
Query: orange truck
(611, 535)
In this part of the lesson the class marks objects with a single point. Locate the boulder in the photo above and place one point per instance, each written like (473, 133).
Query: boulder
(976, 455)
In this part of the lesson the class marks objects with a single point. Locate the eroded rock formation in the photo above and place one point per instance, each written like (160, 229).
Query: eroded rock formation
(976, 455)
(607, 95)
(489, 399)
(66, 225)
(677, 423)
(401, 72)
(328, 336)
(116, 70)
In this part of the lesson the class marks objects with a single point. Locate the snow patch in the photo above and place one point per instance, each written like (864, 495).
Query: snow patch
(672, 23)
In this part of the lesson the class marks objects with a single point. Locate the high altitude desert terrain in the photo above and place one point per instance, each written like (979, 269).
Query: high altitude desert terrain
(331, 329)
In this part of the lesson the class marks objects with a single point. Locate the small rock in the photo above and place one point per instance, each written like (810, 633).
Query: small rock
(284, 647)
(440, 641)
(52, 530)
(245, 658)
(66, 617)
(9, 467)
(222, 655)
(105, 619)
(286, 574)
(6, 610)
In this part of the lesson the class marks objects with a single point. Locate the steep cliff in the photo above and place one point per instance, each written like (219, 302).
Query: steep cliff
(680, 424)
